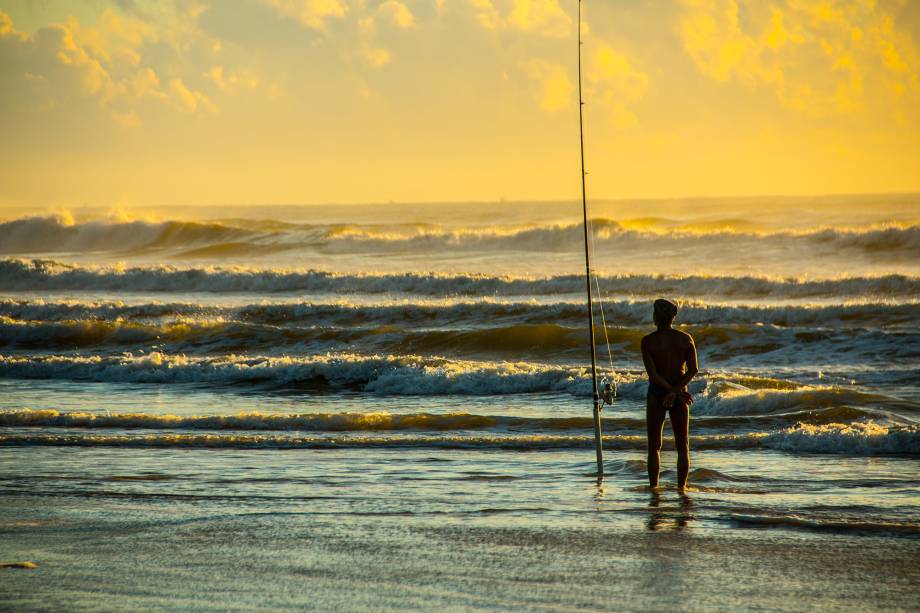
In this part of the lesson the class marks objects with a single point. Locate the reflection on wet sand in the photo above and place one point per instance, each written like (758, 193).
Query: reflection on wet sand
(669, 517)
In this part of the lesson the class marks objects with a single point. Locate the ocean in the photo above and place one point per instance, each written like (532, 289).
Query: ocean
(388, 407)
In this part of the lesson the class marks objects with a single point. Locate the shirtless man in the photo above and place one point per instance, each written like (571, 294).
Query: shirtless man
(670, 361)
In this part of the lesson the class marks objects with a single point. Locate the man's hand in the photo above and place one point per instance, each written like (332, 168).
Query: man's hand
(671, 397)
(668, 400)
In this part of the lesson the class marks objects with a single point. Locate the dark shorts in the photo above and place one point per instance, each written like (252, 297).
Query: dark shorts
(657, 391)
(655, 407)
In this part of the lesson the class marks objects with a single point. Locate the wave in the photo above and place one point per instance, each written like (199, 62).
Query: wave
(56, 234)
(840, 525)
(831, 439)
(279, 441)
(469, 313)
(720, 399)
(326, 422)
(386, 421)
(546, 341)
(59, 234)
(860, 438)
(49, 275)
(728, 398)
(209, 336)
(609, 234)
(386, 375)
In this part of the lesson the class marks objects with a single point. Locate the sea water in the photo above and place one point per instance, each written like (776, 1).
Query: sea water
(388, 407)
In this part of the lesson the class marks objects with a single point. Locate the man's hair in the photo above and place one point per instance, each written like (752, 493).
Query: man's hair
(665, 310)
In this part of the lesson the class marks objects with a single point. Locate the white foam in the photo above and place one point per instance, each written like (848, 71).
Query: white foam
(20, 275)
(397, 375)
(618, 312)
(726, 398)
(859, 438)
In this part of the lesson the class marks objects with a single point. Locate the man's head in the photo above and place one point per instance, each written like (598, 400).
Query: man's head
(664, 312)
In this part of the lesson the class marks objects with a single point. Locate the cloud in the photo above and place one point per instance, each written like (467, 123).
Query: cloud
(615, 83)
(486, 14)
(376, 57)
(6, 24)
(311, 13)
(231, 81)
(819, 57)
(370, 49)
(543, 17)
(398, 13)
(146, 84)
(187, 100)
(554, 91)
(109, 63)
(127, 120)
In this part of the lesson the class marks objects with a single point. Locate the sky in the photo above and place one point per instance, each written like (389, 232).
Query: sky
(134, 102)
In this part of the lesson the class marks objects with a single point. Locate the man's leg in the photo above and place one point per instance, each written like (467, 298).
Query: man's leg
(654, 421)
(680, 423)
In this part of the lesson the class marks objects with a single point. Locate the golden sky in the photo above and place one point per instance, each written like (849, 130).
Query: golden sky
(121, 102)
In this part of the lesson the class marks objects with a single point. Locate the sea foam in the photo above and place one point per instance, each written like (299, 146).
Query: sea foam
(840, 439)
(465, 312)
(38, 275)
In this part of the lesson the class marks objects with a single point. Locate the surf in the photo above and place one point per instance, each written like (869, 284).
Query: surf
(49, 275)
(837, 439)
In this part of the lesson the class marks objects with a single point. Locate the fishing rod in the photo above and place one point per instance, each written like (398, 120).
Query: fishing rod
(598, 440)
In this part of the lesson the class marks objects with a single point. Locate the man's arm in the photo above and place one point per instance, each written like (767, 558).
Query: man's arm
(653, 374)
(692, 367)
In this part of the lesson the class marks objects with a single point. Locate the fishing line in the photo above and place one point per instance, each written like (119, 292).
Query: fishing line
(600, 300)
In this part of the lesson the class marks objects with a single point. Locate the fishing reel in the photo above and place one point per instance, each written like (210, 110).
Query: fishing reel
(608, 390)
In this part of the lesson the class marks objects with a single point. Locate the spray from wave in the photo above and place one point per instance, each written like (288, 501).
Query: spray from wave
(60, 234)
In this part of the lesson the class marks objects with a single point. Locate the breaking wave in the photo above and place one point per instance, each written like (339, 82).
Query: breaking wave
(47, 275)
(723, 398)
(390, 375)
(522, 340)
(859, 438)
(621, 312)
(726, 398)
(57, 234)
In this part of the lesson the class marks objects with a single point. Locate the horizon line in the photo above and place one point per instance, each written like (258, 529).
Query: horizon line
(474, 201)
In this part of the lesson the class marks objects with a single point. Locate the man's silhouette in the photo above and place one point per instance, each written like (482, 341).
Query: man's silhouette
(670, 360)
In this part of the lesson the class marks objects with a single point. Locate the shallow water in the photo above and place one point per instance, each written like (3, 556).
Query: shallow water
(233, 430)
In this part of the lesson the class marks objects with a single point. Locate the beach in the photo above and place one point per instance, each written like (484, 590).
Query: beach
(321, 408)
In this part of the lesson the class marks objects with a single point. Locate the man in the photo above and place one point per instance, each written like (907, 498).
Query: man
(670, 361)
